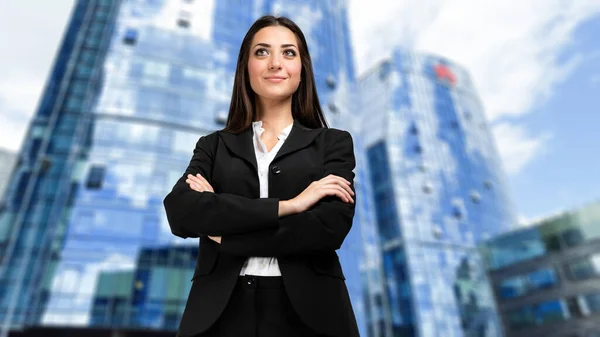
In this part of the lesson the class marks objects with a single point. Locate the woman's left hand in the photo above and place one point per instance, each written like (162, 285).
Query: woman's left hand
(199, 184)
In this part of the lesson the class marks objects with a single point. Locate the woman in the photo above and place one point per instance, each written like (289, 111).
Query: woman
(271, 199)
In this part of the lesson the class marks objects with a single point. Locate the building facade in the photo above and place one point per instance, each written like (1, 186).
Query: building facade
(546, 277)
(43, 188)
(437, 191)
(134, 86)
(7, 162)
(149, 296)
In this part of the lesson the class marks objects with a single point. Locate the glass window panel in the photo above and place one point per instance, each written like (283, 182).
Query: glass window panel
(543, 278)
(573, 237)
(551, 311)
(593, 302)
(96, 177)
(521, 318)
(584, 268)
(513, 287)
(131, 36)
(514, 248)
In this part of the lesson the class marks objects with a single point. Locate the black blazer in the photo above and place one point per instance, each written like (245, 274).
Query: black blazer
(304, 243)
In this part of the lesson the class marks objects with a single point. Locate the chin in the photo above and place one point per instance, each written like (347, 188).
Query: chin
(275, 95)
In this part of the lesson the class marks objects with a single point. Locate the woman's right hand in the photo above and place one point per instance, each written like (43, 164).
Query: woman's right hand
(331, 185)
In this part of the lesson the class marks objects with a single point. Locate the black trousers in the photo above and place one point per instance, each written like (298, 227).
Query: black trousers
(259, 307)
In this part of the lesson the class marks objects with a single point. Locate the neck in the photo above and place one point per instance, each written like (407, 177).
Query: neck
(275, 115)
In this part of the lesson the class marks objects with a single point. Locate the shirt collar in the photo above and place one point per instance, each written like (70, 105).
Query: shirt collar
(258, 129)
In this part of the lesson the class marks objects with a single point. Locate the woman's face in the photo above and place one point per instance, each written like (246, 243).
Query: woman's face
(274, 65)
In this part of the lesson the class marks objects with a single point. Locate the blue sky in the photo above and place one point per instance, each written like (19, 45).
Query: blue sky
(534, 63)
(566, 172)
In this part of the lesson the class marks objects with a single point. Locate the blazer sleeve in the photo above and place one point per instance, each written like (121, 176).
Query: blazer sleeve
(321, 228)
(194, 214)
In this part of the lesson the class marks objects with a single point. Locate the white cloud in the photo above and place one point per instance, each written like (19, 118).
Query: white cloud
(26, 60)
(511, 48)
(17, 101)
(517, 147)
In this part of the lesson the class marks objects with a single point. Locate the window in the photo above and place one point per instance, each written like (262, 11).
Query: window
(333, 108)
(573, 237)
(221, 118)
(551, 311)
(593, 302)
(155, 69)
(574, 307)
(183, 23)
(427, 188)
(456, 212)
(418, 149)
(184, 19)
(414, 130)
(488, 184)
(96, 177)
(330, 81)
(130, 37)
(584, 268)
(538, 314)
(552, 242)
(542, 279)
(475, 197)
(520, 318)
(527, 283)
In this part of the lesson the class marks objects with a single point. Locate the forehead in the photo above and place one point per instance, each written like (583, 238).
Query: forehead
(275, 35)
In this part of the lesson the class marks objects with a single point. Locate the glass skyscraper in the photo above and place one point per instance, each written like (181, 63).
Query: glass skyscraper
(437, 191)
(85, 241)
(47, 178)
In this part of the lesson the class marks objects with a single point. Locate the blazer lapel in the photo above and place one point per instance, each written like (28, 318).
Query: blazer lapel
(300, 137)
(241, 144)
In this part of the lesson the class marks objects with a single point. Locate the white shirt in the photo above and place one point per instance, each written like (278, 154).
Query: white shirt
(264, 266)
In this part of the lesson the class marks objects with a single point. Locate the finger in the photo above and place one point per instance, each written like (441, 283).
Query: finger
(201, 178)
(194, 178)
(336, 178)
(345, 192)
(195, 186)
(205, 183)
(202, 183)
(345, 186)
(340, 185)
(337, 191)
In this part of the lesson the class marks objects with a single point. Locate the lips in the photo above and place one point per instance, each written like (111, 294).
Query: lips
(275, 79)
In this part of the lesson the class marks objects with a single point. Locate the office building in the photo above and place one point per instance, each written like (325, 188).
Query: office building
(134, 85)
(546, 277)
(437, 191)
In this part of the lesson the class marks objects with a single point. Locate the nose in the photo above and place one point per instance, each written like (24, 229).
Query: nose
(275, 64)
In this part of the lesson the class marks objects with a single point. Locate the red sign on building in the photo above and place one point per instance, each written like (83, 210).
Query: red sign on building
(444, 73)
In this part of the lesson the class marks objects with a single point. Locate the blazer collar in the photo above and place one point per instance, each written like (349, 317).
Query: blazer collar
(241, 144)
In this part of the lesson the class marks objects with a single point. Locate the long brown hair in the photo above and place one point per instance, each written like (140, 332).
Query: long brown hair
(306, 107)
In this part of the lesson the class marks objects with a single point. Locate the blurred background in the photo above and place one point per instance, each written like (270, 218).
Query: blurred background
(474, 126)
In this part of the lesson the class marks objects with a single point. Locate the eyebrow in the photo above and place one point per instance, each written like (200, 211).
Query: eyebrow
(269, 46)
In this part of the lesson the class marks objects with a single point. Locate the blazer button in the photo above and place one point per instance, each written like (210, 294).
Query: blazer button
(275, 169)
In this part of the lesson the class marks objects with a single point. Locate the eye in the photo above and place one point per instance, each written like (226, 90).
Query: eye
(290, 52)
(260, 52)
